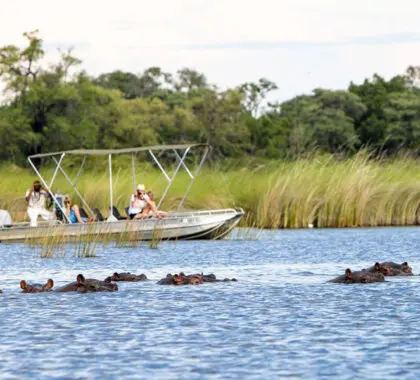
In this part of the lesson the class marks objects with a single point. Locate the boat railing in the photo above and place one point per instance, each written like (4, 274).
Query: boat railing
(171, 216)
(204, 212)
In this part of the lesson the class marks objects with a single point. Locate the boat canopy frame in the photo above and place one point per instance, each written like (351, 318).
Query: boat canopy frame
(59, 156)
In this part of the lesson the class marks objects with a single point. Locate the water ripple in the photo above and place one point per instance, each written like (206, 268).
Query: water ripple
(280, 320)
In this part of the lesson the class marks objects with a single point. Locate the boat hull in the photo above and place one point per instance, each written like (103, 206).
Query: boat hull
(214, 224)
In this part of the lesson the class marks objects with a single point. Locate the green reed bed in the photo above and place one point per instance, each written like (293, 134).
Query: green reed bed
(321, 190)
(53, 242)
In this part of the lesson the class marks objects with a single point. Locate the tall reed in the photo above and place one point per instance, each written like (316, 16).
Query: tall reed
(325, 191)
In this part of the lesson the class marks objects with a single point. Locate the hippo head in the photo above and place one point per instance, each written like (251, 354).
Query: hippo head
(348, 274)
(377, 267)
(83, 285)
(406, 268)
(80, 279)
(48, 286)
(194, 281)
(384, 269)
(23, 284)
(177, 280)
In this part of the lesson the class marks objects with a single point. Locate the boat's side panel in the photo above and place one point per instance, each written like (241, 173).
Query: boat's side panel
(210, 226)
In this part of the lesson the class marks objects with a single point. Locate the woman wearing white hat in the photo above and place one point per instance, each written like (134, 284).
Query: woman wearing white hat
(138, 202)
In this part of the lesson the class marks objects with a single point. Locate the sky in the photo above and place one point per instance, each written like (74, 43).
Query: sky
(298, 44)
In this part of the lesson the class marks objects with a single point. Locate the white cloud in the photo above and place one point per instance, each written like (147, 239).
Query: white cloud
(114, 35)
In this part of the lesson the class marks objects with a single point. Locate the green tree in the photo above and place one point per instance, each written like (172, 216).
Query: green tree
(324, 120)
(19, 67)
(371, 128)
(402, 118)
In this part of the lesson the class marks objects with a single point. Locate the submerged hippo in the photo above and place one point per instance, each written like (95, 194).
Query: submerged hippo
(126, 277)
(192, 279)
(359, 277)
(212, 278)
(179, 279)
(83, 285)
(36, 288)
(392, 269)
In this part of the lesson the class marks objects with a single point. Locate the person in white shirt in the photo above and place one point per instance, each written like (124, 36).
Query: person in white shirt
(138, 202)
(36, 198)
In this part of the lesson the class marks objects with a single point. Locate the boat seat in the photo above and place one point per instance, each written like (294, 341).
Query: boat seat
(59, 215)
(117, 214)
(99, 216)
(83, 213)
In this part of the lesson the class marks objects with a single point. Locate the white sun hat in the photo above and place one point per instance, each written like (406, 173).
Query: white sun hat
(141, 187)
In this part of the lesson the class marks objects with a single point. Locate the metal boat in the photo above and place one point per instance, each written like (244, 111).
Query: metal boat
(179, 225)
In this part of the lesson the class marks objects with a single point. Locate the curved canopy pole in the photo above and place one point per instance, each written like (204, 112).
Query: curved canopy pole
(133, 151)
(56, 170)
(111, 217)
(193, 177)
(171, 179)
(80, 170)
(133, 171)
(181, 162)
(72, 184)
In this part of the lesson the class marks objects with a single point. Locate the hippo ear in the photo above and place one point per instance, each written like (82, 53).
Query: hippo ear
(377, 266)
(23, 284)
(80, 279)
(348, 273)
(404, 264)
(116, 275)
(168, 276)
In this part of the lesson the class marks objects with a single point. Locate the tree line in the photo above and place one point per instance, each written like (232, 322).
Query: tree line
(60, 107)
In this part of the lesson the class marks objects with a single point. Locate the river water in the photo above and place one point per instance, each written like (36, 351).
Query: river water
(281, 319)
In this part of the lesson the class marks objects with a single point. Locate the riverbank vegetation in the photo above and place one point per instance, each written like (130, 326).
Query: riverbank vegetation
(58, 106)
(289, 165)
(320, 190)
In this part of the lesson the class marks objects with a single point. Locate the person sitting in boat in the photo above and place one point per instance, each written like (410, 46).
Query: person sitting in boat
(73, 212)
(151, 208)
(138, 202)
(36, 198)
